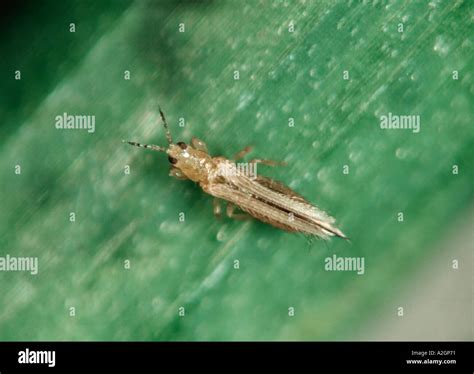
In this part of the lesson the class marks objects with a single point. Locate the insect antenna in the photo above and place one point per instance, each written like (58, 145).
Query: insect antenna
(147, 146)
(165, 124)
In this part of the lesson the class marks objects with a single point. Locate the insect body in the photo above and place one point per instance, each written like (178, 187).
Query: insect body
(263, 198)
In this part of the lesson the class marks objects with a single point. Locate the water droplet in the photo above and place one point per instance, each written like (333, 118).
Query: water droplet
(170, 227)
(244, 99)
(222, 234)
(322, 174)
(401, 153)
(441, 47)
(312, 50)
(354, 157)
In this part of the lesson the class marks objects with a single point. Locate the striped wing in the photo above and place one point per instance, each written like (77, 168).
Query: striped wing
(274, 203)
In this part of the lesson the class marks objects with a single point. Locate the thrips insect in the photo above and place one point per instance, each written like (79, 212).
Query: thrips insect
(262, 198)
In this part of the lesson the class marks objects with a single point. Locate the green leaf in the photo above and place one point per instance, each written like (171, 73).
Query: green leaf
(190, 74)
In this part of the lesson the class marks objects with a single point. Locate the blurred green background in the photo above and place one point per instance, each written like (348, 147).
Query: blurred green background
(283, 75)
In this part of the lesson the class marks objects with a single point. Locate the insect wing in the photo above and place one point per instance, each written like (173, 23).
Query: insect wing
(274, 205)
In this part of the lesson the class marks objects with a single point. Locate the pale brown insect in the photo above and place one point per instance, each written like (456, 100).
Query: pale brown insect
(265, 199)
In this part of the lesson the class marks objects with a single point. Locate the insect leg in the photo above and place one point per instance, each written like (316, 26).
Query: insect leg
(242, 153)
(216, 204)
(165, 124)
(267, 162)
(175, 172)
(199, 144)
(147, 146)
(239, 216)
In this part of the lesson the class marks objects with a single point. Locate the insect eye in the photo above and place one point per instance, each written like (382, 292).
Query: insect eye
(182, 145)
(172, 160)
